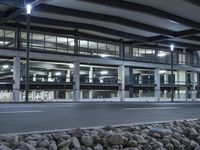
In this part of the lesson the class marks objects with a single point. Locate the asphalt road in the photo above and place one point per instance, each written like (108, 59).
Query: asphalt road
(17, 118)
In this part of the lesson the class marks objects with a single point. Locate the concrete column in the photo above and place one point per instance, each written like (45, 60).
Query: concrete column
(91, 75)
(68, 76)
(157, 83)
(76, 81)
(16, 78)
(90, 94)
(90, 81)
(121, 76)
(193, 88)
(130, 81)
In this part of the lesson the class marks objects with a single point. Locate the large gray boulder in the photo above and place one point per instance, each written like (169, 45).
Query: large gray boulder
(160, 131)
(87, 141)
(139, 138)
(76, 143)
(115, 139)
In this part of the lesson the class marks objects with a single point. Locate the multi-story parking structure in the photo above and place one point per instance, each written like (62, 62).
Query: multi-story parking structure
(84, 50)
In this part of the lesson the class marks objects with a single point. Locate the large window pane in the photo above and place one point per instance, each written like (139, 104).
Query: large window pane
(50, 42)
(71, 44)
(23, 39)
(93, 48)
(9, 38)
(135, 52)
(61, 44)
(37, 41)
(111, 50)
(102, 46)
(84, 47)
(102, 50)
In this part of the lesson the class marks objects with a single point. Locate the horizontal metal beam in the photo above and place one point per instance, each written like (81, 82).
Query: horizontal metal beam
(103, 17)
(63, 32)
(135, 7)
(193, 38)
(181, 44)
(13, 3)
(187, 33)
(194, 2)
(9, 15)
(53, 57)
(181, 34)
(60, 23)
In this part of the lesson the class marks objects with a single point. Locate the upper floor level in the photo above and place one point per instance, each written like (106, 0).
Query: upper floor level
(13, 38)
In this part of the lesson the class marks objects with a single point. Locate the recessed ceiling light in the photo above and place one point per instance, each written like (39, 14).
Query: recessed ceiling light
(104, 72)
(162, 71)
(58, 73)
(5, 66)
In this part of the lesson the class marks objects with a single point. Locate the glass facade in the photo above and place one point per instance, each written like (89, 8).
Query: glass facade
(51, 42)
(48, 42)
(93, 48)
(7, 37)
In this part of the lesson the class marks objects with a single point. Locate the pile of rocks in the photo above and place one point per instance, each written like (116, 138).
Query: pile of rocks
(177, 135)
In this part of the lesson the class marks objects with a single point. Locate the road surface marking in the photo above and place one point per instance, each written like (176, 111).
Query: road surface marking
(20, 112)
(150, 108)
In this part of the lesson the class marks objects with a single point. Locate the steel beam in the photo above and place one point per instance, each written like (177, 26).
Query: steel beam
(102, 17)
(60, 23)
(135, 7)
(13, 3)
(181, 44)
(194, 2)
(16, 12)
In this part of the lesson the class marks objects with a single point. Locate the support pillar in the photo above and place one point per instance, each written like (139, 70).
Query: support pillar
(76, 82)
(157, 83)
(193, 87)
(121, 76)
(90, 81)
(91, 75)
(68, 76)
(131, 82)
(16, 78)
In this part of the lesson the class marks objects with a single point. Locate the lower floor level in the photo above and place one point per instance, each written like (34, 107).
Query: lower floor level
(149, 94)
(77, 81)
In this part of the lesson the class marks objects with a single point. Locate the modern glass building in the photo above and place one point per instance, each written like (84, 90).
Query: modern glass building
(90, 50)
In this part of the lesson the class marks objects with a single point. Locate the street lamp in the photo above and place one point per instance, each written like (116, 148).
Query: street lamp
(28, 9)
(28, 12)
(172, 47)
(172, 69)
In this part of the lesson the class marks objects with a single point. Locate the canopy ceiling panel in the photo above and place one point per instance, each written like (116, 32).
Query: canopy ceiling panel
(131, 15)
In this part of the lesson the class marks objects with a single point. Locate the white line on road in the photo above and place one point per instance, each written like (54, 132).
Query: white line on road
(150, 108)
(20, 112)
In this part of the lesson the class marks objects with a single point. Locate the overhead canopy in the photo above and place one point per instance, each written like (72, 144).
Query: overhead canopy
(136, 21)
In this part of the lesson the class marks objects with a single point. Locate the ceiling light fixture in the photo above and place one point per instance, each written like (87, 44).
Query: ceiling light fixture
(28, 9)
(5, 66)
(58, 73)
(172, 47)
(104, 72)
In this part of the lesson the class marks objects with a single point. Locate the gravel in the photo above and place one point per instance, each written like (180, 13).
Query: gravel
(177, 135)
